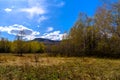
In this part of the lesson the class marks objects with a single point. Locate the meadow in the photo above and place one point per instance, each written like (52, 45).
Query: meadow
(42, 67)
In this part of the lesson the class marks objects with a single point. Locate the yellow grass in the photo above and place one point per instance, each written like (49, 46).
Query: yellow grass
(29, 59)
(41, 67)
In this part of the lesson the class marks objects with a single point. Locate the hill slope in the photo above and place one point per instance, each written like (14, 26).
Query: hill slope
(46, 41)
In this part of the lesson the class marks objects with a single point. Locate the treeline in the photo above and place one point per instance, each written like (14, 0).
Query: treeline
(98, 35)
(19, 47)
(93, 36)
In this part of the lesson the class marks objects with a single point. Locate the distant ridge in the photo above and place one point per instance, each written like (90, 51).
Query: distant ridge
(47, 41)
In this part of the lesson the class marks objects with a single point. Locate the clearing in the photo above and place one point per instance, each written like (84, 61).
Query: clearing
(31, 67)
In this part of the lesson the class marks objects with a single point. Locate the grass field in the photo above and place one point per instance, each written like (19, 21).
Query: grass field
(31, 67)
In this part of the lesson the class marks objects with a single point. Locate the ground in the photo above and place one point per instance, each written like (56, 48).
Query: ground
(41, 67)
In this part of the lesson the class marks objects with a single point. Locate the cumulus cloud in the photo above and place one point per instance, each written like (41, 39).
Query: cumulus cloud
(33, 11)
(50, 29)
(7, 9)
(55, 35)
(30, 34)
(16, 28)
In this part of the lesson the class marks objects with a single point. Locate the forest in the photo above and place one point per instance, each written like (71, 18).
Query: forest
(90, 50)
(98, 35)
(94, 36)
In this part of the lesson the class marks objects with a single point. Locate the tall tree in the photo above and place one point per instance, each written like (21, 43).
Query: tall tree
(19, 43)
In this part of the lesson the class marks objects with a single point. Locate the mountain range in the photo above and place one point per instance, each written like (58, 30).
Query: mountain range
(47, 41)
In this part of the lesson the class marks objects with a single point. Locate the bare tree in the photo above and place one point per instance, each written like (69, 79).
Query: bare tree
(20, 42)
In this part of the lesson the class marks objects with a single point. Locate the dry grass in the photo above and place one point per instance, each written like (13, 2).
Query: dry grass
(42, 67)
(29, 59)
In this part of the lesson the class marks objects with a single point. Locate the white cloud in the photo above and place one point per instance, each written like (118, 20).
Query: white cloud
(35, 8)
(16, 28)
(56, 35)
(33, 11)
(36, 11)
(50, 29)
(40, 8)
(36, 2)
(8, 9)
(42, 18)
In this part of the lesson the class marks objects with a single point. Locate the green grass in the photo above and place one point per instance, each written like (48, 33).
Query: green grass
(58, 68)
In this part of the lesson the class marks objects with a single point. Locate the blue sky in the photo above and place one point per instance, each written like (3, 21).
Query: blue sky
(41, 18)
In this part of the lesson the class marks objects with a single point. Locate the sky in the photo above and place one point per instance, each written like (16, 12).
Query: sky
(41, 18)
